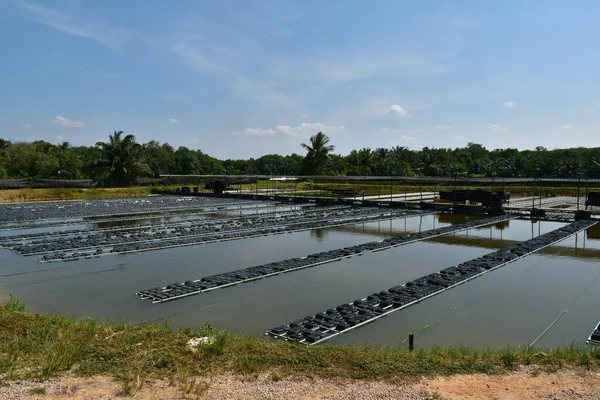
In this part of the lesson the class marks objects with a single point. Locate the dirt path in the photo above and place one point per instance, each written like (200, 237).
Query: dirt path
(522, 385)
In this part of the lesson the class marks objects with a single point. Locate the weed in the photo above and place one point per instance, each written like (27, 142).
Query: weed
(217, 346)
(14, 305)
(37, 390)
(276, 376)
(44, 346)
(509, 358)
(194, 389)
(248, 365)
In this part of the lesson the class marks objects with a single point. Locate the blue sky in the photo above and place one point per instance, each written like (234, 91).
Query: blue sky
(240, 79)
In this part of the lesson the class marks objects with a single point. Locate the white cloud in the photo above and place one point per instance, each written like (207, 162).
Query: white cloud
(173, 120)
(397, 110)
(497, 128)
(305, 129)
(66, 122)
(403, 140)
(441, 127)
(457, 137)
(407, 139)
(27, 126)
(509, 104)
(566, 126)
(308, 129)
(401, 133)
(255, 132)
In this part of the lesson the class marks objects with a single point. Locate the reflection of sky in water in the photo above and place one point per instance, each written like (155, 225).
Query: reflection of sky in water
(509, 306)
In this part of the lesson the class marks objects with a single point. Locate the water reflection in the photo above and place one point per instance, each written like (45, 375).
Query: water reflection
(105, 287)
(318, 234)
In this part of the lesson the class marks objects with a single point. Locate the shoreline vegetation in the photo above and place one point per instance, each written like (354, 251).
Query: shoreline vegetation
(304, 189)
(41, 347)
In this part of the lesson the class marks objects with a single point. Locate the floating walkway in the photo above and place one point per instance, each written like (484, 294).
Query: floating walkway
(83, 248)
(594, 338)
(335, 321)
(190, 288)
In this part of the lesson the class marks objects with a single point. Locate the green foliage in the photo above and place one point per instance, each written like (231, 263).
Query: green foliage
(45, 346)
(317, 154)
(14, 305)
(37, 390)
(121, 159)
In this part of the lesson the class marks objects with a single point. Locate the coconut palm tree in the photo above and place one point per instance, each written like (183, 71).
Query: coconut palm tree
(121, 159)
(317, 153)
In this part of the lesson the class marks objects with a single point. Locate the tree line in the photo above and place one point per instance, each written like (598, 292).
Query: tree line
(121, 159)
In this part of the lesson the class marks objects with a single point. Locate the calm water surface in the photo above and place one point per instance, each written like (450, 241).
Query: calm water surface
(511, 305)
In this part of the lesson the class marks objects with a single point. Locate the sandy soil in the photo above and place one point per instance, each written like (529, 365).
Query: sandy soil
(522, 385)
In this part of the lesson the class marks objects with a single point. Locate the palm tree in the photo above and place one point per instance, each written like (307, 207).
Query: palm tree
(317, 154)
(121, 159)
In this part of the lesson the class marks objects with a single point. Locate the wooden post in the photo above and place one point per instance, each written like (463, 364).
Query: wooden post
(411, 342)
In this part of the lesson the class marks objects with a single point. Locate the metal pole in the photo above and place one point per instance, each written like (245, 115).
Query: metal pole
(363, 190)
(586, 195)
(578, 186)
(391, 189)
(411, 342)
(533, 197)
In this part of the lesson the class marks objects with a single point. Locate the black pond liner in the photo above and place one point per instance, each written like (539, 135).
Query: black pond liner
(63, 249)
(349, 316)
(167, 293)
(60, 210)
(40, 243)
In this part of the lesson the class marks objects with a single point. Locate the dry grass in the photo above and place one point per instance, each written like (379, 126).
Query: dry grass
(22, 195)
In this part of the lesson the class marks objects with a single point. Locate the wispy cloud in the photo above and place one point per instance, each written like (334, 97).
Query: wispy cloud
(82, 25)
(60, 120)
(173, 120)
(457, 137)
(365, 66)
(497, 128)
(509, 104)
(566, 127)
(305, 129)
(404, 139)
(309, 129)
(401, 135)
(441, 127)
(255, 132)
(27, 126)
(398, 111)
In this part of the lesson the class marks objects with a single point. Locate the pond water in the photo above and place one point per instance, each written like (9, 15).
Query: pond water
(511, 305)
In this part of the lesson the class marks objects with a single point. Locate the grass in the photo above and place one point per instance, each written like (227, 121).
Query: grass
(37, 390)
(34, 346)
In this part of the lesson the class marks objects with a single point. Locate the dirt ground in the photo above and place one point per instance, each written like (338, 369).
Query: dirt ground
(522, 385)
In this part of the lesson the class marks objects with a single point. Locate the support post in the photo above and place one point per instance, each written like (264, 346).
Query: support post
(578, 188)
(411, 342)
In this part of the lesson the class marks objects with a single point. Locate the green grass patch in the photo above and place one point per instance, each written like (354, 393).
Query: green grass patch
(37, 390)
(34, 346)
